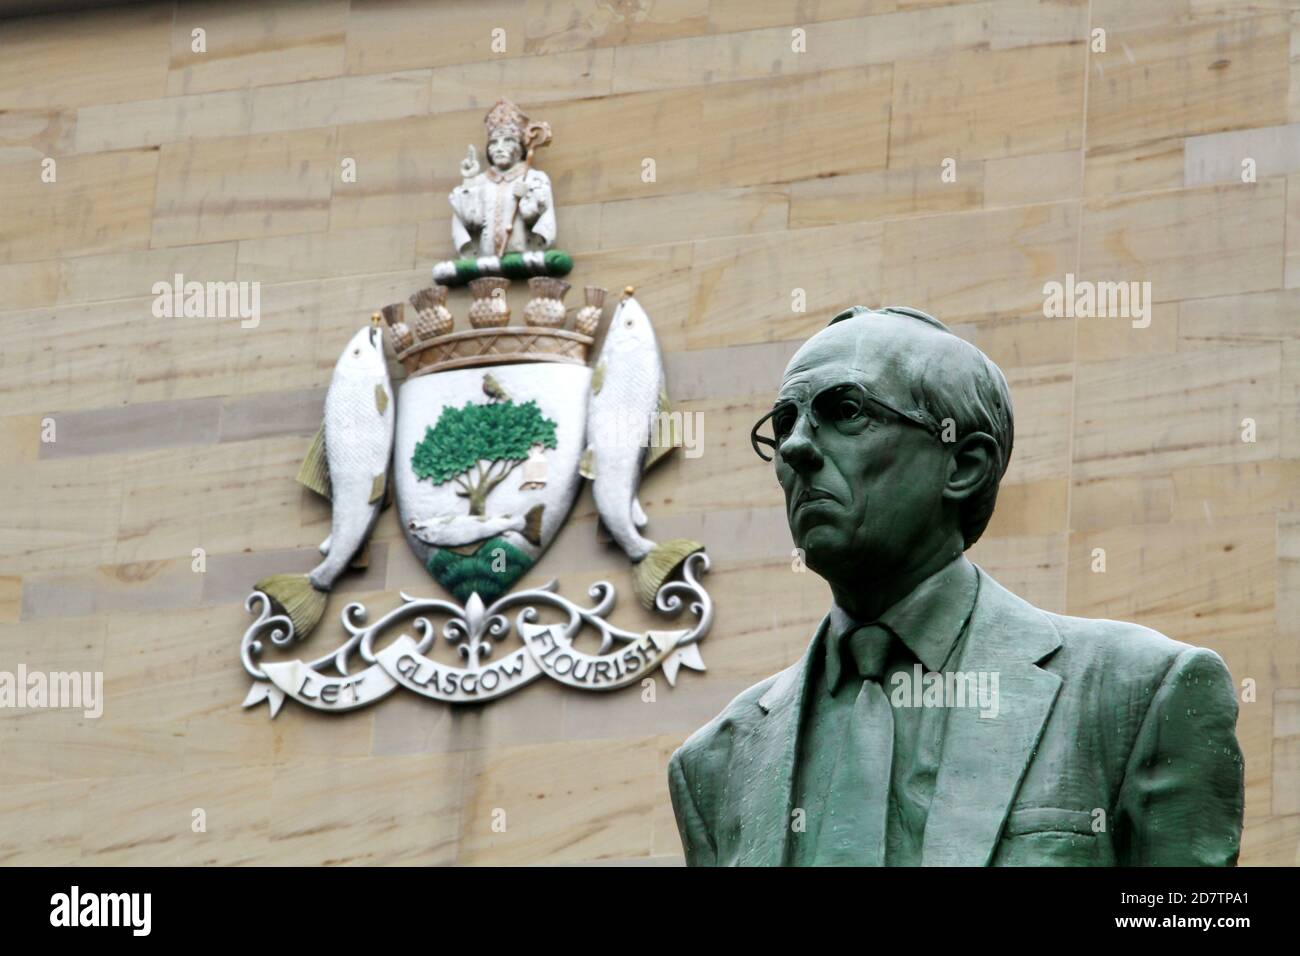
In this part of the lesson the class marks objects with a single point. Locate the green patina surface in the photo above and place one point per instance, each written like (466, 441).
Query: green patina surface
(1102, 743)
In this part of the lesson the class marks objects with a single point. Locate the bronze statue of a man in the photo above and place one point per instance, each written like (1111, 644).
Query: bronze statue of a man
(936, 718)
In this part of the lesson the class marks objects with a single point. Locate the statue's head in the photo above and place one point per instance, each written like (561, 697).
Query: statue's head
(510, 132)
(505, 147)
(889, 435)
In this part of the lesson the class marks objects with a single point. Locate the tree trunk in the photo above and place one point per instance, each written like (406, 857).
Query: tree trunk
(478, 492)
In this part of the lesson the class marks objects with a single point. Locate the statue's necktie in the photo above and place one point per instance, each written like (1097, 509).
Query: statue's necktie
(857, 806)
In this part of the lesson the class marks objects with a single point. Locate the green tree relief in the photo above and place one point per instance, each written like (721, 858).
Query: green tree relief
(478, 445)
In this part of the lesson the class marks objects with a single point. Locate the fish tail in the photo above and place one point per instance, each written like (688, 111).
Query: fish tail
(294, 596)
(533, 524)
(653, 570)
(323, 576)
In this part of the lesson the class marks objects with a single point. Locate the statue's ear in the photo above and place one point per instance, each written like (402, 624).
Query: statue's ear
(974, 464)
(849, 313)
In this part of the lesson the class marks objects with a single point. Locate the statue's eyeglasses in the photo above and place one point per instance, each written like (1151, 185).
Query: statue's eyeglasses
(849, 408)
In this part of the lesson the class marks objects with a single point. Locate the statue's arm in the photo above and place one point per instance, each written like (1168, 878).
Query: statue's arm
(1181, 801)
(530, 206)
(537, 207)
(696, 842)
(464, 217)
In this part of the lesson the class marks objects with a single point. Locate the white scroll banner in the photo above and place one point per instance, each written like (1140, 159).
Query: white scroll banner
(429, 678)
(558, 658)
(310, 687)
(547, 650)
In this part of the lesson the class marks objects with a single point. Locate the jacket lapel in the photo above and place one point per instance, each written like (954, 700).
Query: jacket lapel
(985, 758)
(767, 789)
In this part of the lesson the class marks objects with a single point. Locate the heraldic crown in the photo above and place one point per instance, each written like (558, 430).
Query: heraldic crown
(432, 346)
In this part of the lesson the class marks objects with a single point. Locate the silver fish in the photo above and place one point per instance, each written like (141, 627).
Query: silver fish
(627, 393)
(358, 439)
(454, 530)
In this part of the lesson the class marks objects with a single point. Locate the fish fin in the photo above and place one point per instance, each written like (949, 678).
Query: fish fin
(361, 559)
(587, 466)
(381, 397)
(294, 596)
(638, 514)
(325, 545)
(314, 472)
(533, 524)
(378, 486)
(649, 574)
(597, 378)
(655, 453)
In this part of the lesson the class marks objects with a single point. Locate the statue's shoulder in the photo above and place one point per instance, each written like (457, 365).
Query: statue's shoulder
(1128, 651)
(1090, 643)
(1118, 671)
(466, 186)
(735, 719)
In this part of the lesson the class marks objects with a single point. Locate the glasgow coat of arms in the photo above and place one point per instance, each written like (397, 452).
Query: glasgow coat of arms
(485, 447)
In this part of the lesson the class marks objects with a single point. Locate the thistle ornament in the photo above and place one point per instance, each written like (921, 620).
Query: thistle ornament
(546, 307)
(588, 318)
(489, 308)
(399, 333)
(433, 316)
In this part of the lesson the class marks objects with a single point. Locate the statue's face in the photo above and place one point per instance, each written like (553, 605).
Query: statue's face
(864, 488)
(504, 150)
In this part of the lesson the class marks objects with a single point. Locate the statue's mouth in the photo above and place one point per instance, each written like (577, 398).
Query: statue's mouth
(809, 495)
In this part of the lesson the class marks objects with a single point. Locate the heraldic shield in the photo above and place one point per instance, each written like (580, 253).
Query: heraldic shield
(484, 449)
(485, 468)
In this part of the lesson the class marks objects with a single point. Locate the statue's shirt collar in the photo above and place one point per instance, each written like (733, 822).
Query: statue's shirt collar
(510, 175)
(929, 621)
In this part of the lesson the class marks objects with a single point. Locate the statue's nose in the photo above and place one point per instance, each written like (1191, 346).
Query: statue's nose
(799, 449)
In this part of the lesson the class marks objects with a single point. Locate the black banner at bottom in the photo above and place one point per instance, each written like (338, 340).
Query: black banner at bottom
(487, 906)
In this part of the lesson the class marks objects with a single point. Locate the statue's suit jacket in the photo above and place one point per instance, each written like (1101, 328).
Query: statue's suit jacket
(1113, 745)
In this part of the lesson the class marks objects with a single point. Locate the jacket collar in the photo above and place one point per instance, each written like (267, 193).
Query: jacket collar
(765, 806)
(984, 758)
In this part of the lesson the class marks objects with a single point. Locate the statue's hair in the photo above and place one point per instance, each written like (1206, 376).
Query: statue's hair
(974, 394)
(896, 310)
